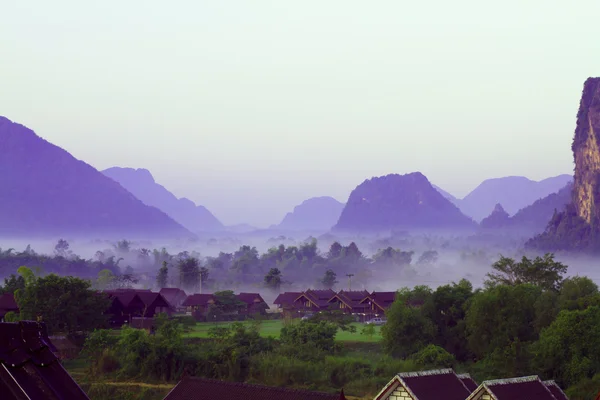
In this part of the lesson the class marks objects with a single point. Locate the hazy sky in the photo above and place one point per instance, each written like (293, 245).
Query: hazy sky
(250, 107)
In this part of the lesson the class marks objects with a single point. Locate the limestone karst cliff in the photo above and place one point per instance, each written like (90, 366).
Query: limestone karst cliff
(577, 228)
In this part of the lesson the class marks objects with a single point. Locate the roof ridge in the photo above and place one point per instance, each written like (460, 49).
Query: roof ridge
(506, 381)
(465, 375)
(442, 371)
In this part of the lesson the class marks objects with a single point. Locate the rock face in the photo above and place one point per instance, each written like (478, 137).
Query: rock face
(142, 185)
(400, 202)
(317, 213)
(577, 227)
(535, 218)
(513, 192)
(46, 192)
(498, 219)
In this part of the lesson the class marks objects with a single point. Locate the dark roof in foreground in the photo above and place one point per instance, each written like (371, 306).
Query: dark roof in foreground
(29, 368)
(427, 385)
(556, 390)
(191, 388)
(524, 388)
(468, 381)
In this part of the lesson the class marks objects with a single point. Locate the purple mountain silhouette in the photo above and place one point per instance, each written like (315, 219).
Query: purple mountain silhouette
(513, 192)
(46, 192)
(142, 185)
(400, 202)
(317, 213)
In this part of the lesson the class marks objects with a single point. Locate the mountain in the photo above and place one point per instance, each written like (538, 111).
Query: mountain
(513, 192)
(536, 216)
(317, 213)
(142, 185)
(399, 202)
(46, 192)
(577, 227)
(447, 195)
(497, 219)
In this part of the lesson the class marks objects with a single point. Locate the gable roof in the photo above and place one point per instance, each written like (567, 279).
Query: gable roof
(198, 300)
(192, 388)
(468, 381)
(126, 298)
(28, 367)
(248, 298)
(173, 295)
(286, 298)
(382, 299)
(523, 388)
(320, 298)
(351, 299)
(153, 299)
(556, 390)
(427, 385)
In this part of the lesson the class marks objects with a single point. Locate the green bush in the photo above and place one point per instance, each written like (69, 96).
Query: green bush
(434, 357)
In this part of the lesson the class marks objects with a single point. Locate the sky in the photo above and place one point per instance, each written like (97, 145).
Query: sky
(251, 107)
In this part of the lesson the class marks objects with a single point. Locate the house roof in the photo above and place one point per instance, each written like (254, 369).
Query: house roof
(381, 299)
(28, 367)
(556, 390)
(287, 298)
(427, 385)
(468, 381)
(173, 295)
(198, 300)
(153, 299)
(192, 388)
(524, 388)
(351, 298)
(7, 302)
(249, 298)
(125, 297)
(318, 297)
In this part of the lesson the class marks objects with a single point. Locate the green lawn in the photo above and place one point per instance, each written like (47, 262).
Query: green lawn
(273, 327)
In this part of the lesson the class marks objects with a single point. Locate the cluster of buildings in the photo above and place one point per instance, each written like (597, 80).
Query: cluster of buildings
(360, 303)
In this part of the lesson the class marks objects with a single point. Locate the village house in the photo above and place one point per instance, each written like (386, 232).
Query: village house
(314, 300)
(425, 385)
(29, 369)
(192, 388)
(524, 388)
(285, 303)
(255, 304)
(377, 303)
(132, 303)
(175, 297)
(198, 305)
(7, 304)
(350, 302)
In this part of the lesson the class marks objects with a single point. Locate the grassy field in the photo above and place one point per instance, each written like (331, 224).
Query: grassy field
(273, 327)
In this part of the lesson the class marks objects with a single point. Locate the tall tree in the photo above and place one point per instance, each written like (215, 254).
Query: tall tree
(62, 248)
(544, 272)
(189, 274)
(163, 276)
(273, 279)
(329, 279)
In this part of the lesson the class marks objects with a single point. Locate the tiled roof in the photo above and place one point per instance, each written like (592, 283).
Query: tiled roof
(191, 388)
(174, 296)
(318, 297)
(248, 298)
(197, 300)
(7, 302)
(382, 299)
(427, 385)
(287, 298)
(525, 388)
(556, 390)
(152, 298)
(468, 381)
(30, 370)
(125, 297)
(351, 299)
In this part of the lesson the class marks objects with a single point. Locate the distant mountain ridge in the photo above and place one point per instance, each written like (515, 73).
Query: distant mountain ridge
(316, 213)
(531, 219)
(400, 202)
(142, 185)
(512, 192)
(46, 192)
